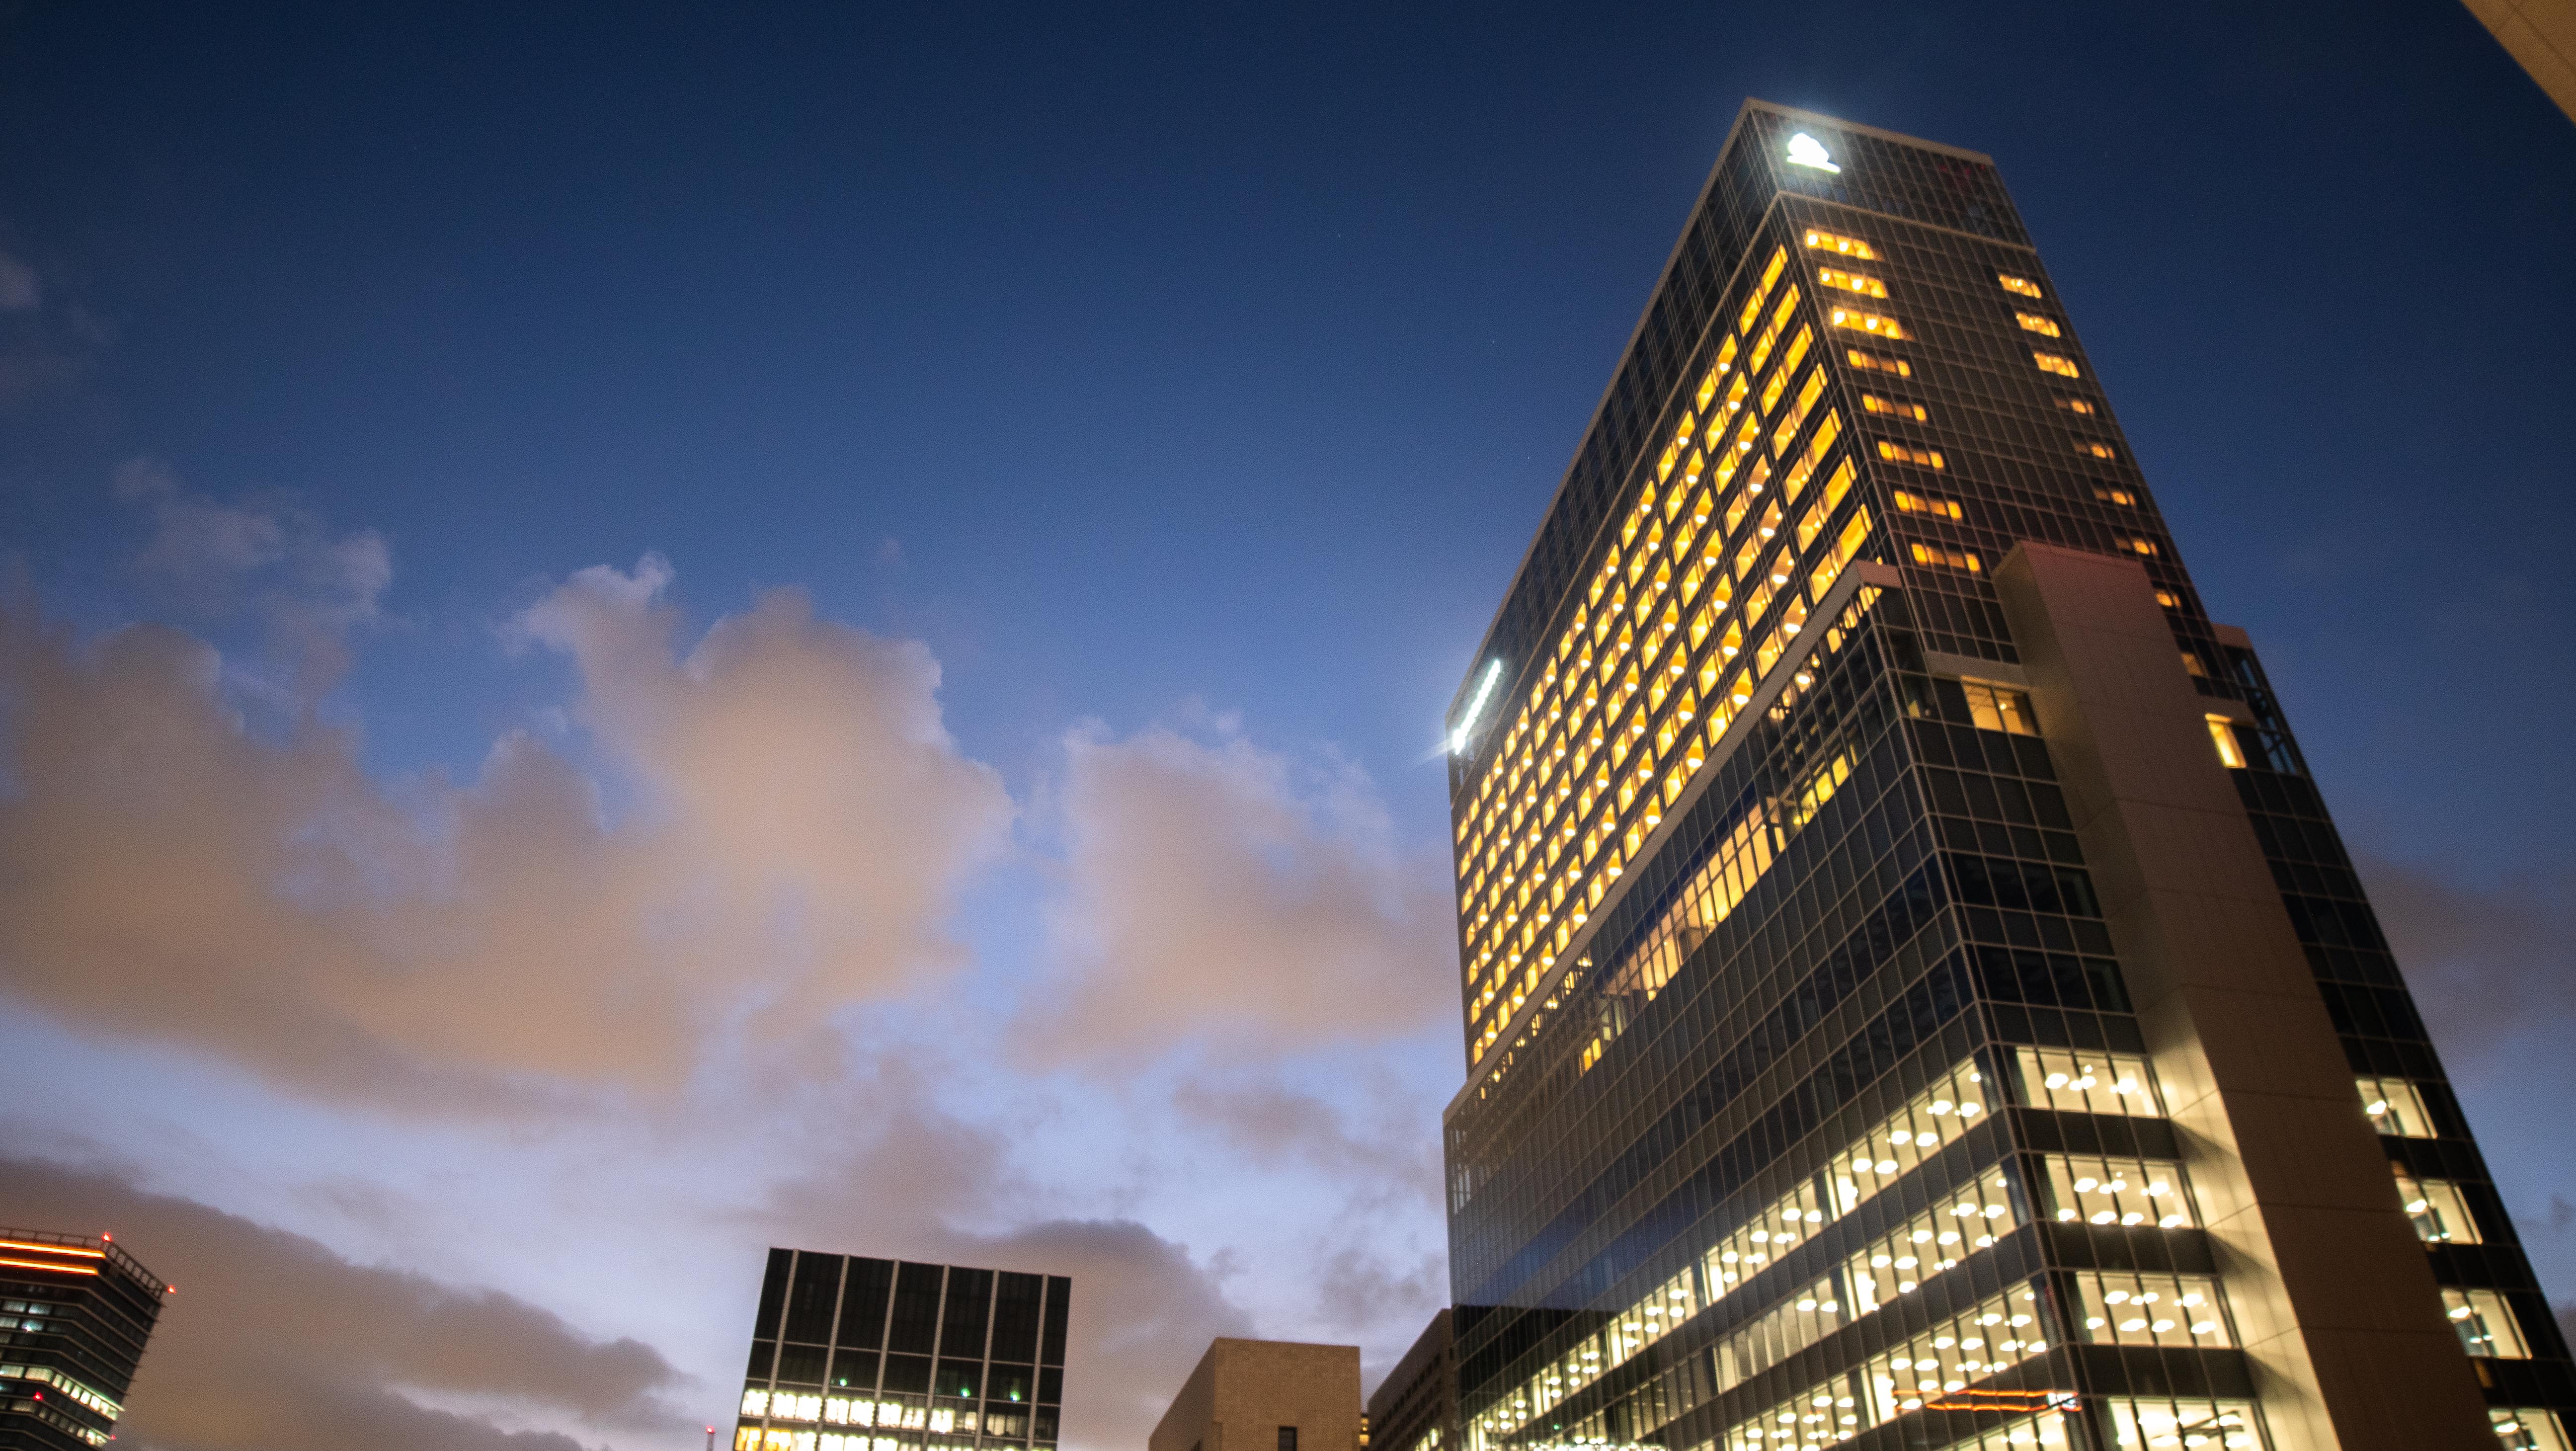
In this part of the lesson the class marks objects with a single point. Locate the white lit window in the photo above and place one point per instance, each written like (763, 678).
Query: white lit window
(2440, 1215)
(2394, 1107)
(2077, 1081)
(2149, 1309)
(2089, 1189)
(2527, 1428)
(2485, 1323)
(1931, 1243)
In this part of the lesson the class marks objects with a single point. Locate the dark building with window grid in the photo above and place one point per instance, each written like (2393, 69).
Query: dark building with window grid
(857, 1354)
(1914, 993)
(75, 1311)
(1416, 1407)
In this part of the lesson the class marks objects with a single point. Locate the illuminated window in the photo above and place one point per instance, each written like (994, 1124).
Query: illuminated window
(1872, 403)
(2076, 405)
(1926, 504)
(2526, 1428)
(1836, 242)
(2485, 1323)
(1872, 362)
(1875, 324)
(1898, 453)
(2130, 545)
(2095, 450)
(1946, 558)
(2022, 285)
(2032, 322)
(1860, 282)
(2394, 1107)
(2052, 363)
(2133, 1309)
(2440, 1214)
(2115, 496)
(2089, 1189)
(1995, 708)
(1771, 269)
(2168, 599)
(2081, 1082)
(2191, 665)
(2222, 733)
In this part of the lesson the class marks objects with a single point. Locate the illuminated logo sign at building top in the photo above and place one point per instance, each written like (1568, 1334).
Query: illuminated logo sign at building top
(1806, 150)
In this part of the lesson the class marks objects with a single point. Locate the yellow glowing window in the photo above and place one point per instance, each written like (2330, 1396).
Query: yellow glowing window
(2222, 734)
(1840, 484)
(1797, 349)
(2034, 323)
(1808, 393)
(2090, 449)
(2115, 496)
(1837, 243)
(1788, 303)
(1771, 269)
(2076, 405)
(1860, 282)
(1946, 558)
(1994, 708)
(2137, 546)
(1872, 403)
(1761, 352)
(1926, 504)
(1872, 362)
(1813, 456)
(1875, 324)
(1895, 452)
(1854, 535)
(2052, 363)
(1736, 390)
(1770, 522)
(1773, 386)
(2166, 598)
(2021, 285)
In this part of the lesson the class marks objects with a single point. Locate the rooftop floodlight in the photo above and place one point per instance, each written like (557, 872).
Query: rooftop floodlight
(1806, 150)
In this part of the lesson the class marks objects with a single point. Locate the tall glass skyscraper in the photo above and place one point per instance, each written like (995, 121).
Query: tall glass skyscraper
(1915, 995)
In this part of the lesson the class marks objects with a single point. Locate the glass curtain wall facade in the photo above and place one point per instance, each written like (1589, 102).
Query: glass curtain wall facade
(857, 1354)
(75, 1312)
(1843, 1065)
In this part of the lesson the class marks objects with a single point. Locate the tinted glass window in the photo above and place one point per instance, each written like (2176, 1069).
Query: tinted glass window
(916, 1310)
(1059, 1291)
(810, 1303)
(801, 1365)
(1016, 1318)
(863, 1302)
(773, 1292)
(909, 1374)
(970, 1306)
(959, 1378)
(854, 1369)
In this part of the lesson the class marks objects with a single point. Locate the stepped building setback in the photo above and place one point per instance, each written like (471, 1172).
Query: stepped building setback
(1915, 994)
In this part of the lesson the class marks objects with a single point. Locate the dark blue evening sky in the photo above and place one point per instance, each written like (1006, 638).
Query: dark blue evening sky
(1235, 350)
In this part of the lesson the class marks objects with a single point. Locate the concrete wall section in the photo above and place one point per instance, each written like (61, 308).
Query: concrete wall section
(2328, 1285)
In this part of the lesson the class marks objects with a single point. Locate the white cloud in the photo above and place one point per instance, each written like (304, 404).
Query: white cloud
(1221, 894)
(802, 823)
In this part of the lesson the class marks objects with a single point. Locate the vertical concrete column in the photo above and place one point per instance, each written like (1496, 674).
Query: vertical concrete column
(2327, 1281)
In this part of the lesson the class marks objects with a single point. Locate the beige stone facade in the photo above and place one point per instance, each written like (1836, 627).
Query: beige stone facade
(1254, 1395)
